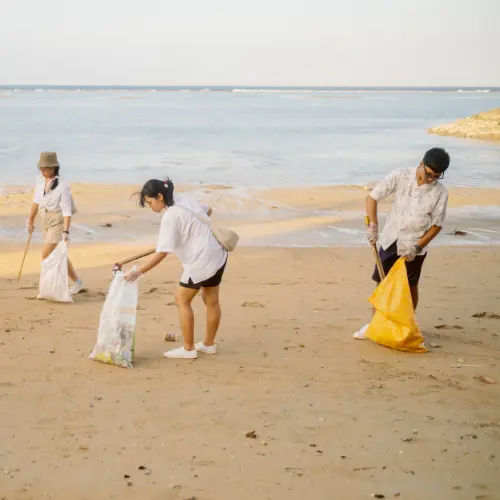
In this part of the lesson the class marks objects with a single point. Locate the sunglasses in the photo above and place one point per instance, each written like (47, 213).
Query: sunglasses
(432, 176)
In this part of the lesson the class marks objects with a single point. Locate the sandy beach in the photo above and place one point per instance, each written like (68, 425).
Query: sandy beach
(326, 416)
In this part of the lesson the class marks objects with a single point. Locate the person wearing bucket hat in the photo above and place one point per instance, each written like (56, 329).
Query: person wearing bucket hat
(53, 198)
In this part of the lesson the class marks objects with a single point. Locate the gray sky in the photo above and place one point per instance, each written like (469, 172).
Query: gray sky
(258, 42)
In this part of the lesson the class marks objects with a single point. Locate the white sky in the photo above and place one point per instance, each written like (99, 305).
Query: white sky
(258, 42)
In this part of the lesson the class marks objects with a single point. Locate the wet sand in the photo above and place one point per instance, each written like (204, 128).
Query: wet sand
(315, 216)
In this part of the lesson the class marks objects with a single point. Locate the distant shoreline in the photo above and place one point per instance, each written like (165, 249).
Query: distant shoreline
(484, 126)
(250, 88)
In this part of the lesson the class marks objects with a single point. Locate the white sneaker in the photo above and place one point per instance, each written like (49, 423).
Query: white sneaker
(360, 334)
(76, 287)
(207, 349)
(181, 353)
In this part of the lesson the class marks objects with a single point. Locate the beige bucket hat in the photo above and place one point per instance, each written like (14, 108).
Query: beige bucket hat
(48, 159)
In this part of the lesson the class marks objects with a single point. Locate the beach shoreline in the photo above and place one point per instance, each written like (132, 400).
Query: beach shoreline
(309, 216)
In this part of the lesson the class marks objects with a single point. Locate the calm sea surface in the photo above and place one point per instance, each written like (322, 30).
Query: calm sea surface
(239, 137)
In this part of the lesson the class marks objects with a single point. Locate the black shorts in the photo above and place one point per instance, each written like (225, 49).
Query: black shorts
(389, 258)
(213, 281)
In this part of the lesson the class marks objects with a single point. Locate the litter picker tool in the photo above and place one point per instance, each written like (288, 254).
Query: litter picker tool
(118, 265)
(375, 253)
(24, 256)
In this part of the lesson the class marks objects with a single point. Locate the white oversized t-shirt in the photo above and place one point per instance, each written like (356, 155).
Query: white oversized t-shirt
(191, 240)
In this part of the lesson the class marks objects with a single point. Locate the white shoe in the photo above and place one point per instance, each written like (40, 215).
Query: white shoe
(207, 349)
(181, 353)
(76, 287)
(360, 334)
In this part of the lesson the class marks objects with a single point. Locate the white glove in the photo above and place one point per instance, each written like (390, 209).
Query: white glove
(372, 233)
(411, 252)
(132, 275)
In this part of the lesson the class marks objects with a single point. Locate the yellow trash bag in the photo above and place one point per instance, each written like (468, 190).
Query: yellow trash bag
(393, 323)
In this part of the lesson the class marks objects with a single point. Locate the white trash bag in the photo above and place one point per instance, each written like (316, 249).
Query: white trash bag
(115, 338)
(54, 275)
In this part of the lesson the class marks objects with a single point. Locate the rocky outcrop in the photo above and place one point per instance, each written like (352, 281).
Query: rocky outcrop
(485, 125)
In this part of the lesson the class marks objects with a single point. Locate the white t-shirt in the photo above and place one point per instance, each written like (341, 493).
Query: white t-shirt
(414, 210)
(191, 240)
(59, 199)
(189, 203)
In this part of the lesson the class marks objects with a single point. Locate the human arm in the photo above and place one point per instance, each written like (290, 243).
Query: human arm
(66, 208)
(31, 219)
(37, 199)
(131, 276)
(382, 190)
(437, 217)
(428, 236)
(67, 224)
(413, 250)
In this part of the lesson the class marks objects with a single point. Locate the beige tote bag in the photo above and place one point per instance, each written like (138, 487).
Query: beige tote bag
(224, 235)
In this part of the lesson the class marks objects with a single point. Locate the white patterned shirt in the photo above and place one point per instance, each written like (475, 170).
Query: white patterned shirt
(414, 211)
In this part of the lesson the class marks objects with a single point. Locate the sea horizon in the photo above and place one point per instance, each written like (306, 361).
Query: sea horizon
(235, 87)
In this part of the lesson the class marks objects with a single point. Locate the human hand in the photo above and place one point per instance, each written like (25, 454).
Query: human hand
(116, 267)
(372, 233)
(31, 226)
(410, 253)
(65, 236)
(132, 275)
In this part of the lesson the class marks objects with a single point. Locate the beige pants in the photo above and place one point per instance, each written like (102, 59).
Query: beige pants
(53, 225)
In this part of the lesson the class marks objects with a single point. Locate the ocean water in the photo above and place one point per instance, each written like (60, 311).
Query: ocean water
(239, 137)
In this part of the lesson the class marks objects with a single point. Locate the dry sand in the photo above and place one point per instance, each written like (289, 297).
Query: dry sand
(333, 417)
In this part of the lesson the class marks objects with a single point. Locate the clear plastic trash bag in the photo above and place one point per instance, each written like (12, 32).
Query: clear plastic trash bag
(115, 338)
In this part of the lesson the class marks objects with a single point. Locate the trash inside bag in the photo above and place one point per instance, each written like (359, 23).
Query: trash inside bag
(54, 275)
(394, 324)
(115, 338)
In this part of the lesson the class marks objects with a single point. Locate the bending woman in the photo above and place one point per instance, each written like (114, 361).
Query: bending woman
(185, 232)
(53, 198)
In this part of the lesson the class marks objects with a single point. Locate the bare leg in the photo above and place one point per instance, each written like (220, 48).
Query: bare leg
(47, 249)
(414, 295)
(71, 271)
(210, 296)
(183, 298)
